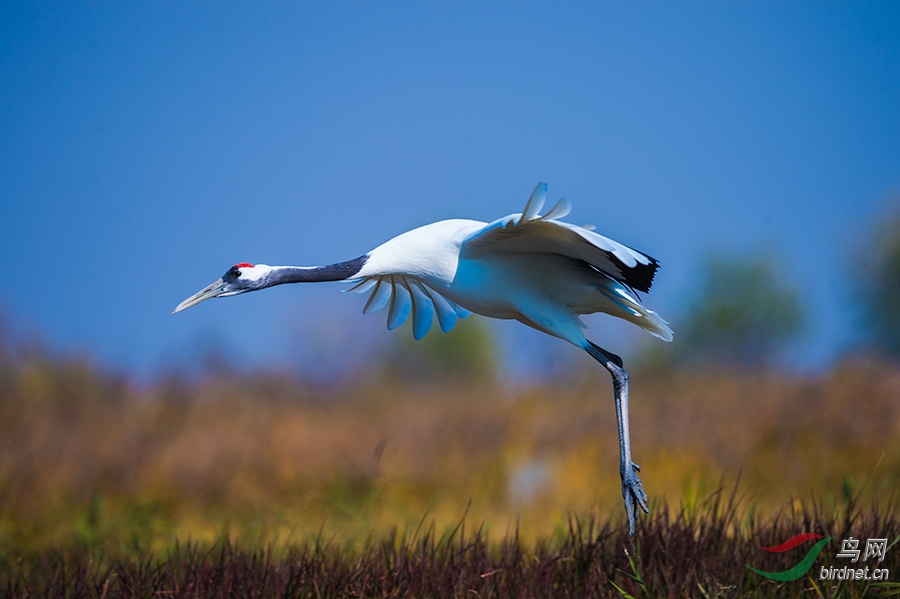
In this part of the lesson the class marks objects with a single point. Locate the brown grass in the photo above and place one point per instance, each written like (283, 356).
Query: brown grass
(87, 460)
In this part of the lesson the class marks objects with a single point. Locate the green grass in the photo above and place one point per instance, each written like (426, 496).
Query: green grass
(697, 552)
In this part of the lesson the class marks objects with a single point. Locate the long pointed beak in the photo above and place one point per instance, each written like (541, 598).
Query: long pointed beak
(214, 290)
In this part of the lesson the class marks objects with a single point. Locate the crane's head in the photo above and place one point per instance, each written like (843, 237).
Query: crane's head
(240, 278)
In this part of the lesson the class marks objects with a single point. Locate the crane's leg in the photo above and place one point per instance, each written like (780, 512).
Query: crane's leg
(632, 490)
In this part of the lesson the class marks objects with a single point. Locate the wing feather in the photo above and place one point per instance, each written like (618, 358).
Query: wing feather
(408, 296)
(380, 296)
(535, 203)
(530, 233)
(362, 286)
(401, 304)
(462, 312)
(423, 309)
(563, 208)
(446, 310)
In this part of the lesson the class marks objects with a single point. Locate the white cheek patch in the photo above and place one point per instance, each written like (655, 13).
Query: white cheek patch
(255, 273)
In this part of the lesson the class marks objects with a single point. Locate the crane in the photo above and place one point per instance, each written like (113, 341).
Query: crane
(528, 267)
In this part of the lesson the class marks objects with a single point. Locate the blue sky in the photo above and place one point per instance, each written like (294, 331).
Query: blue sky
(146, 147)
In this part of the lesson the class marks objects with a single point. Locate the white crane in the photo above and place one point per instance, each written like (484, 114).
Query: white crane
(531, 268)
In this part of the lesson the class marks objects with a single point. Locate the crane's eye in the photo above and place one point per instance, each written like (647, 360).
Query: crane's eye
(237, 273)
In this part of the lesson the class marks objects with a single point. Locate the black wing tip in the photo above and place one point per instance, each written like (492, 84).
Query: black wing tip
(640, 276)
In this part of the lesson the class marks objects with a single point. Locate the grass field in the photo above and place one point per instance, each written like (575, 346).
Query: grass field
(690, 553)
(258, 482)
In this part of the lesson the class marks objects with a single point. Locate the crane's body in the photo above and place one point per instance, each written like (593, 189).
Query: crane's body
(545, 290)
(535, 269)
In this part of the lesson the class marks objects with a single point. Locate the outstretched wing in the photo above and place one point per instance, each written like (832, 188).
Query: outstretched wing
(529, 232)
(408, 296)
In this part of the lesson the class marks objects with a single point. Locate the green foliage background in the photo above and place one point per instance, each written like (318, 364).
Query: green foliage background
(878, 267)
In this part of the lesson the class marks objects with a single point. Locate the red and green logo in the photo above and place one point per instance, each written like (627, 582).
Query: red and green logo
(804, 565)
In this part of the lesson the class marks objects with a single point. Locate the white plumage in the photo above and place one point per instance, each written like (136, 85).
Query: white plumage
(528, 267)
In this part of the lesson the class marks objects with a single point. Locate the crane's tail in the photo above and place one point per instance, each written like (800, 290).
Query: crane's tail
(631, 310)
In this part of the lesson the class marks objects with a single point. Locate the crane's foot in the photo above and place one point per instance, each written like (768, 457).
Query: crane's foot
(634, 495)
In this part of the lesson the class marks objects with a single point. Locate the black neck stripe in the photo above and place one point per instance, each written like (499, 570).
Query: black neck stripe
(316, 274)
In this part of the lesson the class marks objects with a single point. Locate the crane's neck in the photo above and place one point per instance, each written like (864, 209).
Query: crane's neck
(279, 275)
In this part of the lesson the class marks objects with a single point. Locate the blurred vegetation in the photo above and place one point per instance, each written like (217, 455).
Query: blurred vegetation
(744, 313)
(91, 462)
(878, 278)
(467, 353)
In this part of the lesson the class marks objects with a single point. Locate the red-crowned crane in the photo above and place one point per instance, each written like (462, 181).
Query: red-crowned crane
(531, 268)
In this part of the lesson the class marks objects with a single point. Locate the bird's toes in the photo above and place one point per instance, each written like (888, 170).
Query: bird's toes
(642, 501)
(630, 512)
(636, 467)
(635, 497)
